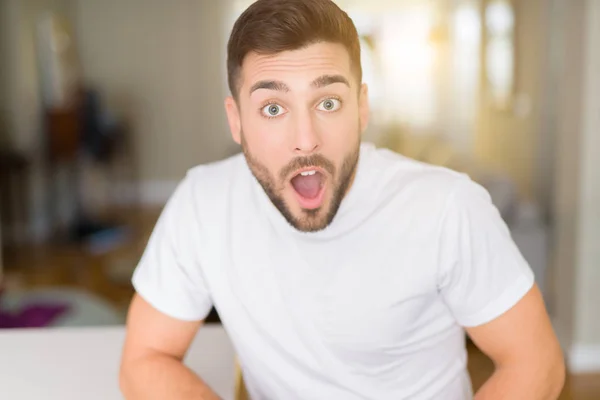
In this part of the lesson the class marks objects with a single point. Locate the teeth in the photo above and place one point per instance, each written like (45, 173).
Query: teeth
(307, 173)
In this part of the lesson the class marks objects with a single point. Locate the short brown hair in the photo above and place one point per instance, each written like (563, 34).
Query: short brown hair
(274, 26)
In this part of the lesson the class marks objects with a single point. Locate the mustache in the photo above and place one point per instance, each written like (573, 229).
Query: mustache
(315, 160)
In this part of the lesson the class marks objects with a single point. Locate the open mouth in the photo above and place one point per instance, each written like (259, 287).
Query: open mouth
(309, 186)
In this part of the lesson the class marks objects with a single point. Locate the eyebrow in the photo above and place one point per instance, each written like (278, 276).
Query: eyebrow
(270, 85)
(325, 80)
(320, 82)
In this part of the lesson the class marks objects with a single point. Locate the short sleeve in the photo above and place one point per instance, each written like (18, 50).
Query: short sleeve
(483, 274)
(169, 276)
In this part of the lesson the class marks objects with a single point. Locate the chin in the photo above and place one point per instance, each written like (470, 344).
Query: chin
(311, 219)
(311, 223)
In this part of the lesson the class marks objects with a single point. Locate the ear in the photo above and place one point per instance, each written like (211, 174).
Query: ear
(233, 117)
(363, 107)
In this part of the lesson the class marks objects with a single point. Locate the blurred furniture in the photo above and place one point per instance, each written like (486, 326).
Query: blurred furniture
(84, 131)
(1, 255)
(63, 141)
(83, 363)
(14, 194)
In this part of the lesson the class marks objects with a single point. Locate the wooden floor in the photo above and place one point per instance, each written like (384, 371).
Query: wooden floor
(107, 275)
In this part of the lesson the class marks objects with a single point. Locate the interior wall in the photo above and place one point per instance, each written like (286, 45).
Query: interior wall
(588, 255)
(4, 83)
(160, 65)
(24, 97)
(550, 99)
(577, 188)
(8, 66)
(22, 102)
(567, 170)
(507, 138)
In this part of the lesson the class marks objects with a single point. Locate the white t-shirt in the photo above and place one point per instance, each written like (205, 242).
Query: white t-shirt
(373, 307)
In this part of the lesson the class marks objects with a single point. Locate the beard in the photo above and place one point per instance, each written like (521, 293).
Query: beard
(310, 220)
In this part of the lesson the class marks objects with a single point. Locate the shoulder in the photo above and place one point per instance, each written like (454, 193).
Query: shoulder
(214, 180)
(417, 182)
(216, 175)
(205, 186)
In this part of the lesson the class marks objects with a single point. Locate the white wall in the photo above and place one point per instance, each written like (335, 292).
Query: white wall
(577, 189)
(588, 255)
(161, 64)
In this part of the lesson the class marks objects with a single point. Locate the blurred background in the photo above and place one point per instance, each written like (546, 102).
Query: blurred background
(104, 105)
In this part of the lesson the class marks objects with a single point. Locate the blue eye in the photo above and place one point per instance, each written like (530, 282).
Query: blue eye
(272, 110)
(330, 105)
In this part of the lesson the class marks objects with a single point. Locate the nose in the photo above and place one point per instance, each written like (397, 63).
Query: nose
(307, 139)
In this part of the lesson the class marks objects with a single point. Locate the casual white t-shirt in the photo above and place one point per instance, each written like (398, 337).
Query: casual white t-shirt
(372, 307)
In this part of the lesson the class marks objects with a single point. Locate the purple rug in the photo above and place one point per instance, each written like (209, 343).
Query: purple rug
(32, 315)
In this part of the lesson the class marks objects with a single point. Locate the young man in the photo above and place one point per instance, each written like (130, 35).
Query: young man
(339, 270)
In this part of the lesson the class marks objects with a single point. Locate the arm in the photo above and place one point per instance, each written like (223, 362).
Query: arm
(172, 300)
(490, 289)
(527, 355)
(151, 365)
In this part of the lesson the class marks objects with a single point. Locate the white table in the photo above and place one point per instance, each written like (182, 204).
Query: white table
(83, 363)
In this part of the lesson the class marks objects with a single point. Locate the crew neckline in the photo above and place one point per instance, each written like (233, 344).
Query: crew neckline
(349, 214)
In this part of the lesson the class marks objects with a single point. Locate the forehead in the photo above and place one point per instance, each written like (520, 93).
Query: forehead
(297, 66)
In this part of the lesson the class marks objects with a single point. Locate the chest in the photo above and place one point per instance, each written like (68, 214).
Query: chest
(363, 298)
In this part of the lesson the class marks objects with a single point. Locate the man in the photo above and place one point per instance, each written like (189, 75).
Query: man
(340, 271)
